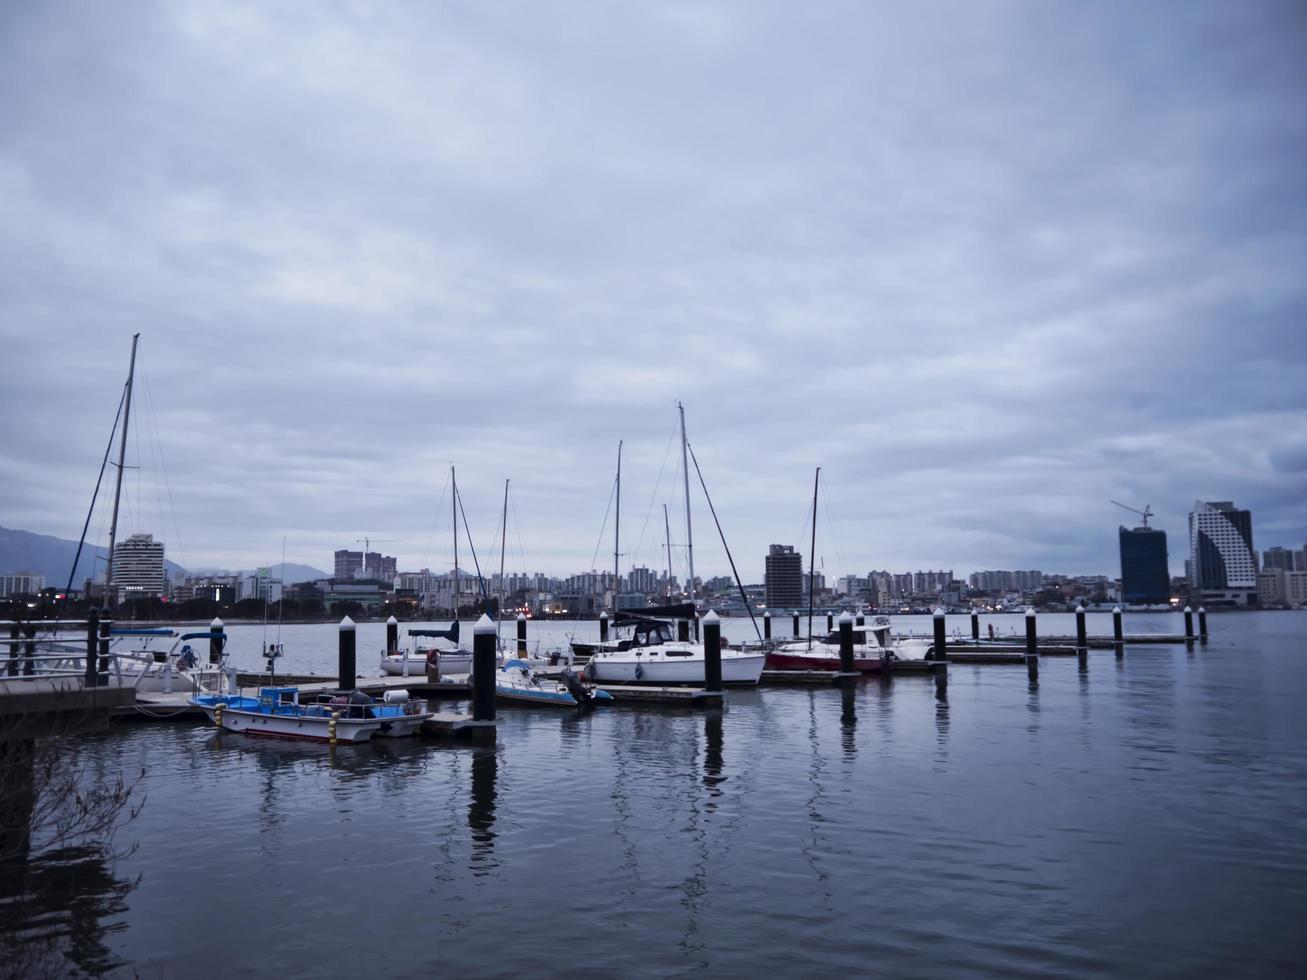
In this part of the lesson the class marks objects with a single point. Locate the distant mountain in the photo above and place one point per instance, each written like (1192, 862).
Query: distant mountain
(23, 551)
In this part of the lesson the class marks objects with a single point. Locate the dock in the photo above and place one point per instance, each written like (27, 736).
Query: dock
(688, 696)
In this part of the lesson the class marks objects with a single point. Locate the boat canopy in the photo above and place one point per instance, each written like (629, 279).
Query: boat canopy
(154, 631)
(449, 634)
(206, 635)
(684, 610)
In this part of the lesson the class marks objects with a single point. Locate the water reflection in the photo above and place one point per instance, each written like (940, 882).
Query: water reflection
(712, 757)
(816, 818)
(481, 810)
(849, 719)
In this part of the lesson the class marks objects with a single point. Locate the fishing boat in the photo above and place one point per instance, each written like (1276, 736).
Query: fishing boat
(345, 717)
(516, 681)
(874, 648)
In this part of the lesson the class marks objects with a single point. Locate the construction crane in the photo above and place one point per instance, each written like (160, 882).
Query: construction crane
(1146, 513)
(367, 542)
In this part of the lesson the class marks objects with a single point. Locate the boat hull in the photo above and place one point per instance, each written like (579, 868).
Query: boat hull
(659, 669)
(309, 727)
(780, 660)
(404, 667)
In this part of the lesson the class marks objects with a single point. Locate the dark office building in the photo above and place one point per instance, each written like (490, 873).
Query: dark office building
(784, 580)
(1145, 573)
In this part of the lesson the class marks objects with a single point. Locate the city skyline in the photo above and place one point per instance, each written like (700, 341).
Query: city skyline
(991, 270)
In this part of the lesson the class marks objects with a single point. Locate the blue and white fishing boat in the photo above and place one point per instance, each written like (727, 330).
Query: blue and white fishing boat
(344, 717)
(516, 681)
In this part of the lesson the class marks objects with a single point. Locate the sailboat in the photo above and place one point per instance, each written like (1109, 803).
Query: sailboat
(666, 661)
(874, 648)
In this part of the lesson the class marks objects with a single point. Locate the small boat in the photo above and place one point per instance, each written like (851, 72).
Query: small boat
(443, 659)
(672, 663)
(151, 669)
(345, 716)
(874, 648)
(516, 681)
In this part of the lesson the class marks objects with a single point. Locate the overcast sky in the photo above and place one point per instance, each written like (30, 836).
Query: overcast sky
(990, 265)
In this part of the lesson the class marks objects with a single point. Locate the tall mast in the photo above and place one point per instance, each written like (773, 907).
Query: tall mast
(503, 541)
(812, 554)
(453, 482)
(617, 526)
(118, 486)
(689, 531)
(667, 525)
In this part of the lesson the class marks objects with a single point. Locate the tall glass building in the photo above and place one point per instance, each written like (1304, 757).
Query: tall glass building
(1223, 565)
(1145, 572)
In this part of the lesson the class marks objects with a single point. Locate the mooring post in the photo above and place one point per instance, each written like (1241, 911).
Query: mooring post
(1118, 637)
(392, 636)
(346, 647)
(975, 625)
(766, 626)
(859, 621)
(1188, 627)
(712, 653)
(215, 641)
(603, 627)
(830, 622)
(92, 632)
(1202, 625)
(683, 631)
(1032, 645)
(1082, 638)
(29, 663)
(940, 650)
(105, 624)
(483, 670)
(521, 634)
(846, 643)
(796, 626)
(14, 630)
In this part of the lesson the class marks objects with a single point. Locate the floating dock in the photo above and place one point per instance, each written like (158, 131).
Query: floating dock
(663, 695)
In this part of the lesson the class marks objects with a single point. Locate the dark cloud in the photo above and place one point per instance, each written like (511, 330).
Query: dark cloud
(989, 267)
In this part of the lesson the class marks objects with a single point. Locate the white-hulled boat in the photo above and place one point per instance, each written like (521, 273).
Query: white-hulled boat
(516, 681)
(874, 647)
(349, 717)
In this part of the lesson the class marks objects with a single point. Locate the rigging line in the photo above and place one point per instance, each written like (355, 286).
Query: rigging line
(713, 510)
(431, 536)
(72, 573)
(481, 579)
(517, 527)
(835, 534)
(653, 497)
(595, 557)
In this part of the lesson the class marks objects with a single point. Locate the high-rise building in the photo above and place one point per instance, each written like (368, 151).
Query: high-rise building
(1145, 573)
(138, 567)
(1278, 558)
(348, 564)
(21, 583)
(784, 577)
(1223, 565)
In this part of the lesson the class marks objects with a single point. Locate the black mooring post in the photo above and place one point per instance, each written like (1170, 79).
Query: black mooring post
(1202, 625)
(1118, 637)
(940, 650)
(1032, 645)
(712, 653)
(830, 622)
(215, 641)
(105, 625)
(392, 636)
(1189, 627)
(603, 627)
(483, 670)
(859, 621)
(975, 625)
(683, 631)
(796, 625)
(29, 664)
(92, 632)
(1082, 637)
(346, 648)
(521, 634)
(15, 629)
(846, 643)
(766, 626)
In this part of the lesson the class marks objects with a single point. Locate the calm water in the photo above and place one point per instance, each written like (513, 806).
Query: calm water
(1145, 817)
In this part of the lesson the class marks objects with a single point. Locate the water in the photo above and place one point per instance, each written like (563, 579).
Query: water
(1144, 817)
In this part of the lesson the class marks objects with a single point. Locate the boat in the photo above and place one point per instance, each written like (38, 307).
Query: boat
(340, 716)
(874, 648)
(516, 681)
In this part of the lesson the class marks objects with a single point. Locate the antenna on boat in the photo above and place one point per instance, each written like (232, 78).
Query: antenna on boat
(617, 527)
(453, 503)
(118, 486)
(503, 541)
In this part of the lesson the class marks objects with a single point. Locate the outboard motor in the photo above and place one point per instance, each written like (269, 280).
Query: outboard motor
(576, 687)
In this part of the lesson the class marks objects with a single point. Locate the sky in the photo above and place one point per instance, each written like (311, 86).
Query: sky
(989, 265)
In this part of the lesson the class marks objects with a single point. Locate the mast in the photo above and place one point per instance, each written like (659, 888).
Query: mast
(453, 499)
(667, 525)
(118, 486)
(503, 541)
(689, 532)
(617, 525)
(812, 555)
